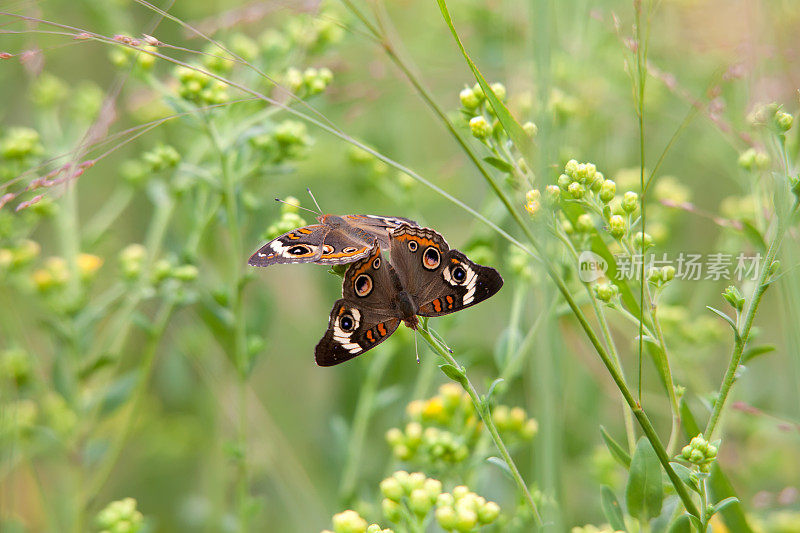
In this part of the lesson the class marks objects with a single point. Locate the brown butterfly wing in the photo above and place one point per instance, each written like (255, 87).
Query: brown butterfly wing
(365, 316)
(439, 280)
(302, 245)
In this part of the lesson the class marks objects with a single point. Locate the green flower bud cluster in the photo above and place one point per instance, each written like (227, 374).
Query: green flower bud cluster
(351, 522)
(462, 510)
(738, 207)
(734, 297)
(200, 88)
(138, 171)
(441, 429)
(309, 82)
(429, 444)
(55, 274)
(60, 417)
(20, 255)
(120, 517)
(368, 164)
(161, 157)
(754, 160)
(20, 144)
(288, 140)
(589, 528)
(123, 57)
(700, 452)
(661, 276)
(520, 263)
(771, 116)
(16, 366)
(642, 241)
(217, 60)
(580, 180)
(131, 260)
(606, 292)
(533, 201)
(617, 226)
(416, 492)
(49, 91)
(244, 46)
(313, 33)
(480, 112)
(514, 422)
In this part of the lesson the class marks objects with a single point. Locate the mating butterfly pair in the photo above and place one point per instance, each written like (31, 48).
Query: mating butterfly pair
(425, 277)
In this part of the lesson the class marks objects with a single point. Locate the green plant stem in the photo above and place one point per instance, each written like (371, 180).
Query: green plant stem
(237, 309)
(667, 371)
(486, 417)
(355, 448)
(743, 335)
(640, 415)
(145, 370)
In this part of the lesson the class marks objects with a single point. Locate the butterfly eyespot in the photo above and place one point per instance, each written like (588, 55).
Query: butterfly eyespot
(300, 249)
(412, 245)
(376, 264)
(431, 258)
(363, 285)
(346, 322)
(350, 249)
(459, 274)
(328, 249)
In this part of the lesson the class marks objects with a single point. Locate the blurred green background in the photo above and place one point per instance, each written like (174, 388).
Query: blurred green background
(186, 435)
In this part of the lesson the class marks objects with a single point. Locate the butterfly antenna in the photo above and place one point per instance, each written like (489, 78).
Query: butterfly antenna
(416, 349)
(315, 200)
(297, 206)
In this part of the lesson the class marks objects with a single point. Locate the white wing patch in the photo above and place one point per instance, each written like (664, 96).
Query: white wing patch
(343, 337)
(470, 280)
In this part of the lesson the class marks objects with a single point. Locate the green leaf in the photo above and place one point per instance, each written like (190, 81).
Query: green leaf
(118, 392)
(724, 317)
(617, 451)
(755, 351)
(499, 164)
(685, 475)
(682, 525)
(515, 132)
(644, 492)
(456, 374)
(687, 419)
(722, 504)
(492, 388)
(502, 465)
(611, 509)
(753, 235)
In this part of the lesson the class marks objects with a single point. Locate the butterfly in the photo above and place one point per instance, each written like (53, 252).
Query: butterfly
(425, 278)
(335, 240)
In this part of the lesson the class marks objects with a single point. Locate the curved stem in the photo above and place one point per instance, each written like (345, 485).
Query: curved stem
(486, 417)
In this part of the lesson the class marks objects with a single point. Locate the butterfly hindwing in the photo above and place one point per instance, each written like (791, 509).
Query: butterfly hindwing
(365, 316)
(351, 332)
(463, 284)
(440, 280)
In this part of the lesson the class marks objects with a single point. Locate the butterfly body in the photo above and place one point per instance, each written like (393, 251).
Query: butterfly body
(425, 278)
(334, 240)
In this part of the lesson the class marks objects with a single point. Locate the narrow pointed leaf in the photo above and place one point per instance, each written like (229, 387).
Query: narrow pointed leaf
(612, 509)
(510, 124)
(724, 317)
(617, 451)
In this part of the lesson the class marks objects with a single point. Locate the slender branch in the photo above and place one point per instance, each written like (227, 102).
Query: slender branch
(486, 417)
